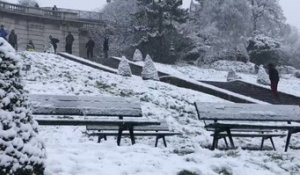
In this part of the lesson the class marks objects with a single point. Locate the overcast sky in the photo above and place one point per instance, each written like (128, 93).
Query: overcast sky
(290, 7)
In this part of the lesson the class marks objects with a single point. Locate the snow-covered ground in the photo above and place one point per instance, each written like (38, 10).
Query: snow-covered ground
(288, 83)
(71, 152)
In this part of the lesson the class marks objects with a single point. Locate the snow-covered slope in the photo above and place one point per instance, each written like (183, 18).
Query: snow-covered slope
(71, 152)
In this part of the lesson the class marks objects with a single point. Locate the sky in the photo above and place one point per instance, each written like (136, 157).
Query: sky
(290, 7)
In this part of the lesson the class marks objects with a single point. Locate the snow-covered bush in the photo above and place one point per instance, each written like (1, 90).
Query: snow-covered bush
(124, 68)
(286, 69)
(238, 66)
(262, 76)
(137, 56)
(149, 70)
(232, 76)
(297, 74)
(260, 42)
(49, 48)
(21, 152)
(264, 50)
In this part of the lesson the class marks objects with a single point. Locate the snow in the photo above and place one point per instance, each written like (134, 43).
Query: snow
(73, 153)
(232, 76)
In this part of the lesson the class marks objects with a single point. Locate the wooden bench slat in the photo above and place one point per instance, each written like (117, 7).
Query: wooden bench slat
(251, 135)
(85, 105)
(249, 112)
(162, 127)
(135, 133)
(137, 128)
(95, 122)
(254, 126)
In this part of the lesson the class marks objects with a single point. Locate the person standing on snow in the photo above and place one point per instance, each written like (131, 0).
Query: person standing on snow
(90, 48)
(3, 33)
(274, 78)
(105, 47)
(13, 39)
(69, 43)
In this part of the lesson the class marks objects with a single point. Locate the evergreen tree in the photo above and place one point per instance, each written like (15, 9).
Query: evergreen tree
(124, 68)
(137, 56)
(149, 71)
(156, 26)
(21, 152)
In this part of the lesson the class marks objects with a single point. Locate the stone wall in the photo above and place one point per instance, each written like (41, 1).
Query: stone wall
(38, 31)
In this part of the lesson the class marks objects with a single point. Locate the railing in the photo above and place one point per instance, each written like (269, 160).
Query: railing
(63, 14)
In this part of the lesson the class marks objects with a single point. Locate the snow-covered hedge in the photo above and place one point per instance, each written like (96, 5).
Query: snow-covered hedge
(149, 70)
(21, 152)
(238, 66)
(262, 76)
(124, 68)
(137, 56)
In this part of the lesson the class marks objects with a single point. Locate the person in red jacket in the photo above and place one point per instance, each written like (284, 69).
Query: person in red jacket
(274, 78)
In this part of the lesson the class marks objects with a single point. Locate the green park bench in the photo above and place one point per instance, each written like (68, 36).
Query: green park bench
(248, 120)
(122, 115)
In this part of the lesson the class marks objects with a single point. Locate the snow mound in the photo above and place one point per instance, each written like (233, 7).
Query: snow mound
(137, 56)
(21, 152)
(149, 70)
(124, 68)
(286, 69)
(49, 48)
(232, 76)
(224, 65)
(262, 76)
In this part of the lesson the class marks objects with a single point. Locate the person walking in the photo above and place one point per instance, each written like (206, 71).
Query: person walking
(3, 33)
(13, 39)
(54, 42)
(105, 47)
(90, 48)
(274, 78)
(69, 43)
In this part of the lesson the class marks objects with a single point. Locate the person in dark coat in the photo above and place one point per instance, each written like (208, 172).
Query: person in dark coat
(274, 78)
(3, 33)
(105, 47)
(54, 42)
(69, 43)
(90, 48)
(13, 39)
(30, 46)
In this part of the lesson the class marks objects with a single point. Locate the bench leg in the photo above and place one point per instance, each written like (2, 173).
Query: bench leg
(215, 139)
(262, 143)
(100, 137)
(119, 135)
(165, 143)
(288, 140)
(156, 140)
(230, 138)
(131, 135)
(226, 143)
(273, 145)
